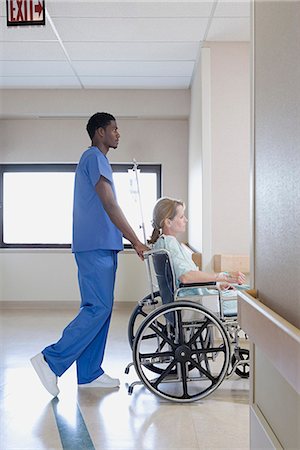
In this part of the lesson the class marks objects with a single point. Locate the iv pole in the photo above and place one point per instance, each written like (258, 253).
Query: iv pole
(135, 169)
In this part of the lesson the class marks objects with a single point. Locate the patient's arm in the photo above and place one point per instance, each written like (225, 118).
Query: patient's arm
(197, 276)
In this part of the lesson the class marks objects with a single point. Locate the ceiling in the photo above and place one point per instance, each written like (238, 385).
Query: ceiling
(116, 44)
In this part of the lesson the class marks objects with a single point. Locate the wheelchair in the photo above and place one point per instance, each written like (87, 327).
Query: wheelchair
(182, 351)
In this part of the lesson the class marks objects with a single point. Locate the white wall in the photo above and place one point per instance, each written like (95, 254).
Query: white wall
(51, 275)
(136, 103)
(195, 181)
(224, 119)
(230, 113)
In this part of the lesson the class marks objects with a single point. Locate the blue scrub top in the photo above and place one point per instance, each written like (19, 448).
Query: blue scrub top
(92, 227)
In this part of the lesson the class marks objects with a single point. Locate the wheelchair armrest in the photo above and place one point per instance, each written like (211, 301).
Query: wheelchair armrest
(210, 283)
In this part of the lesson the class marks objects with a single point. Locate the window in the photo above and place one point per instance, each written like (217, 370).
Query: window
(36, 202)
(138, 209)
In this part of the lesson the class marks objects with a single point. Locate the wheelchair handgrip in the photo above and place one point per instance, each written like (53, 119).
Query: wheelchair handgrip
(210, 283)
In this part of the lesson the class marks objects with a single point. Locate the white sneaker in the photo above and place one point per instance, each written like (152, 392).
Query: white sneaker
(104, 381)
(46, 375)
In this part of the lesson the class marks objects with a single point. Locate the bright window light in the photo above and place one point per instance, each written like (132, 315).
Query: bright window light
(38, 202)
(37, 207)
(128, 198)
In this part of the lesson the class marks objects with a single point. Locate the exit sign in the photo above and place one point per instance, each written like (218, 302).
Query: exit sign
(25, 12)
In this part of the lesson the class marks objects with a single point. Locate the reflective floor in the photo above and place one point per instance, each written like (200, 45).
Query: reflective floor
(104, 419)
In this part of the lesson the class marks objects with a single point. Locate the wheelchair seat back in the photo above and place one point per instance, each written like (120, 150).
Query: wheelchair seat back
(165, 275)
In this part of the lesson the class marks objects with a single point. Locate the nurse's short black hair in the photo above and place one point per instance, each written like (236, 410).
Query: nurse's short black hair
(98, 120)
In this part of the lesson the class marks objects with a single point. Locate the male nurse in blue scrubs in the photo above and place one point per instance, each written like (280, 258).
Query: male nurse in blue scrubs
(98, 227)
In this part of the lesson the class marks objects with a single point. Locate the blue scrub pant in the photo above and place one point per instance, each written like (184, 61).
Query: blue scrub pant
(84, 339)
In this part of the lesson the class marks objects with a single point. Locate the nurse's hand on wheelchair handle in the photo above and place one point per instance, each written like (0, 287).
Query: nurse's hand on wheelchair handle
(140, 248)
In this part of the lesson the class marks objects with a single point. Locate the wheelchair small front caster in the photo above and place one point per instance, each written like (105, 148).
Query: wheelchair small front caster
(242, 369)
(130, 390)
(127, 368)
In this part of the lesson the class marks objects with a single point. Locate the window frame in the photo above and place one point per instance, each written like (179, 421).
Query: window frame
(63, 167)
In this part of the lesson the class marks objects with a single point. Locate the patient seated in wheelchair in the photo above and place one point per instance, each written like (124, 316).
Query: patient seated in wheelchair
(169, 221)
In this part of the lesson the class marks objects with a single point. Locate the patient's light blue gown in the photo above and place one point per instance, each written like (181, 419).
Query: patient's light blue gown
(183, 263)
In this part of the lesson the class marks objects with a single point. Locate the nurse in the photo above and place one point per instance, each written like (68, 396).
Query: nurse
(98, 227)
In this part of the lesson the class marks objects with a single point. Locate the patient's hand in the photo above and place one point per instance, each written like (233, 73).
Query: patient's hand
(234, 277)
(225, 286)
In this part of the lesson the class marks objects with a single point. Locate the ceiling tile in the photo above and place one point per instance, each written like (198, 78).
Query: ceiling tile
(35, 68)
(39, 82)
(157, 51)
(132, 30)
(130, 9)
(136, 82)
(234, 29)
(133, 68)
(239, 8)
(116, 44)
(36, 33)
(31, 51)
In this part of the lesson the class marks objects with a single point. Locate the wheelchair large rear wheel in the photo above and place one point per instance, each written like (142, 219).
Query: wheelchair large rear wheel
(188, 346)
(139, 313)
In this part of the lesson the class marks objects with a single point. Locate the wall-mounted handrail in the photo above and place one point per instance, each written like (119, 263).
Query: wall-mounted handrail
(274, 335)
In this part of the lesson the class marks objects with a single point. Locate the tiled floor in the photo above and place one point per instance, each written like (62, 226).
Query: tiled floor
(96, 419)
